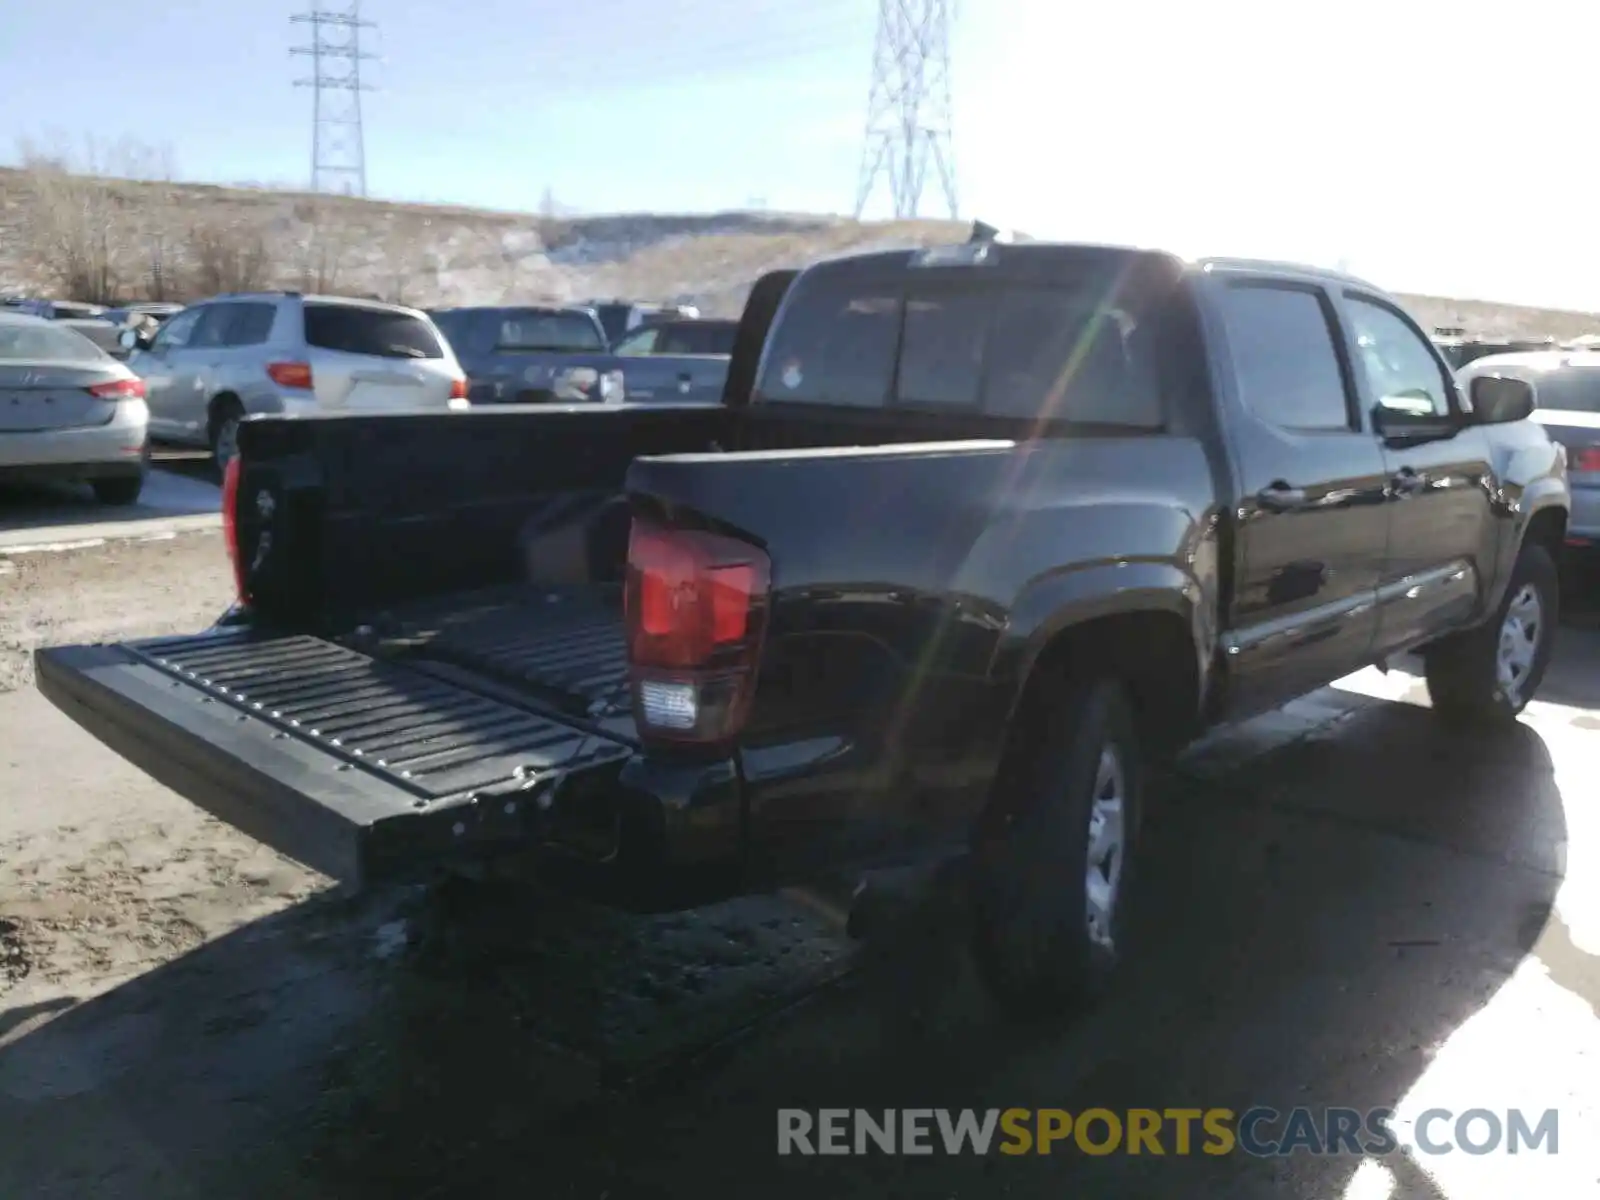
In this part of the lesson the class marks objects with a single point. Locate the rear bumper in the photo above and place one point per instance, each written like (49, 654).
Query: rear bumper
(71, 472)
(120, 442)
(305, 767)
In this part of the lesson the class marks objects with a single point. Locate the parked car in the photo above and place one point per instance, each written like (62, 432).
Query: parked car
(675, 358)
(532, 354)
(54, 310)
(98, 330)
(1460, 351)
(981, 532)
(547, 355)
(68, 411)
(1566, 387)
(143, 319)
(151, 312)
(216, 362)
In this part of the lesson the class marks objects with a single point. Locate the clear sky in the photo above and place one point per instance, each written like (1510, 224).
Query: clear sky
(1430, 146)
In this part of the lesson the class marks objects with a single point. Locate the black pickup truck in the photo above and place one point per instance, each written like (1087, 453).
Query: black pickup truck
(979, 533)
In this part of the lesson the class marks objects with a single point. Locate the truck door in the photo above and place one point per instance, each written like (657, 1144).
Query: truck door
(1313, 524)
(644, 376)
(698, 353)
(1442, 532)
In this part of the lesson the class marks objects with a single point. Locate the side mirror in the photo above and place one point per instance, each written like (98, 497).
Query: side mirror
(130, 340)
(1498, 399)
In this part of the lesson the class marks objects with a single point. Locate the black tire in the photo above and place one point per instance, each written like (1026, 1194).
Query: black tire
(1032, 939)
(118, 490)
(225, 416)
(1464, 682)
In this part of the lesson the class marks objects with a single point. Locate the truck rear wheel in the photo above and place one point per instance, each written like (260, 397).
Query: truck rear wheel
(1050, 879)
(1486, 676)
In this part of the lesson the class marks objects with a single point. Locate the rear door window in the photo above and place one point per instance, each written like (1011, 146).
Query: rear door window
(378, 332)
(834, 344)
(1281, 340)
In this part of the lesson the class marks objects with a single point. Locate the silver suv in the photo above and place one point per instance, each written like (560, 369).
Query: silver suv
(222, 359)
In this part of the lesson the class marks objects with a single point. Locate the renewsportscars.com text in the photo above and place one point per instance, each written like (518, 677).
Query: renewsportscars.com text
(1260, 1131)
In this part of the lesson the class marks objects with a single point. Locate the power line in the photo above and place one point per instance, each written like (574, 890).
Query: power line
(908, 106)
(338, 145)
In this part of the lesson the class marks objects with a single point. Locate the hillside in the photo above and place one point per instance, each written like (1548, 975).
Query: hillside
(107, 238)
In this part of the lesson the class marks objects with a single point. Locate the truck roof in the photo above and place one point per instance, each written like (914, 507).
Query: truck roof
(1040, 257)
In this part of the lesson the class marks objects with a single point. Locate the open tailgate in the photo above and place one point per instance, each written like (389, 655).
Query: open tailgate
(360, 768)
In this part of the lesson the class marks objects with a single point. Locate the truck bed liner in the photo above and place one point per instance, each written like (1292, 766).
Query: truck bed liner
(333, 757)
(567, 648)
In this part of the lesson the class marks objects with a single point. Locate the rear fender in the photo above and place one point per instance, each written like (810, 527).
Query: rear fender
(1077, 595)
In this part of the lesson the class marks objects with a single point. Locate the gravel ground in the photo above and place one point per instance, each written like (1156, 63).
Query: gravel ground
(170, 584)
(1343, 905)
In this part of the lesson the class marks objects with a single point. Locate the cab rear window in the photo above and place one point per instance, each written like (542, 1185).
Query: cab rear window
(1072, 350)
(834, 344)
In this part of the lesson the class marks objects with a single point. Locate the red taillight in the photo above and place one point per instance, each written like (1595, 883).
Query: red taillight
(290, 374)
(1585, 459)
(696, 610)
(230, 525)
(118, 389)
(458, 388)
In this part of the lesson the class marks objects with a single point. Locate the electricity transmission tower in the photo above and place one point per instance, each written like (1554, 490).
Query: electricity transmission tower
(908, 106)
(338, 149)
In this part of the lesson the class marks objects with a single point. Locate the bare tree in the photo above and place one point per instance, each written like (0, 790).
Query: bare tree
(161, 240)
(70, 223)
(80, 227)
(406, 266)
(228, 256)
(322, 250)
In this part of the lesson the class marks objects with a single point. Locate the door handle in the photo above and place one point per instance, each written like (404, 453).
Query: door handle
(1278, 496)
(1406, 482)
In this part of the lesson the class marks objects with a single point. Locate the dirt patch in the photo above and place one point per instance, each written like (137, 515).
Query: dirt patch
(15, 961)
(116, 590)
(107, 908)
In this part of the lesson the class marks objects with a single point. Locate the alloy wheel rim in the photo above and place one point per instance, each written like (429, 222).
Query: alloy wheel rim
(1520, 633)
(1107, 847)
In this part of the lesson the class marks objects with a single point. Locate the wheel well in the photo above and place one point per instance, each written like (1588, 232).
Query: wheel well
(217, 403)
(1151, 652)
(1548, 528)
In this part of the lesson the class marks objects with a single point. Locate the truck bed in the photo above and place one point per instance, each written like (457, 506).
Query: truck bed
(561, 647)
